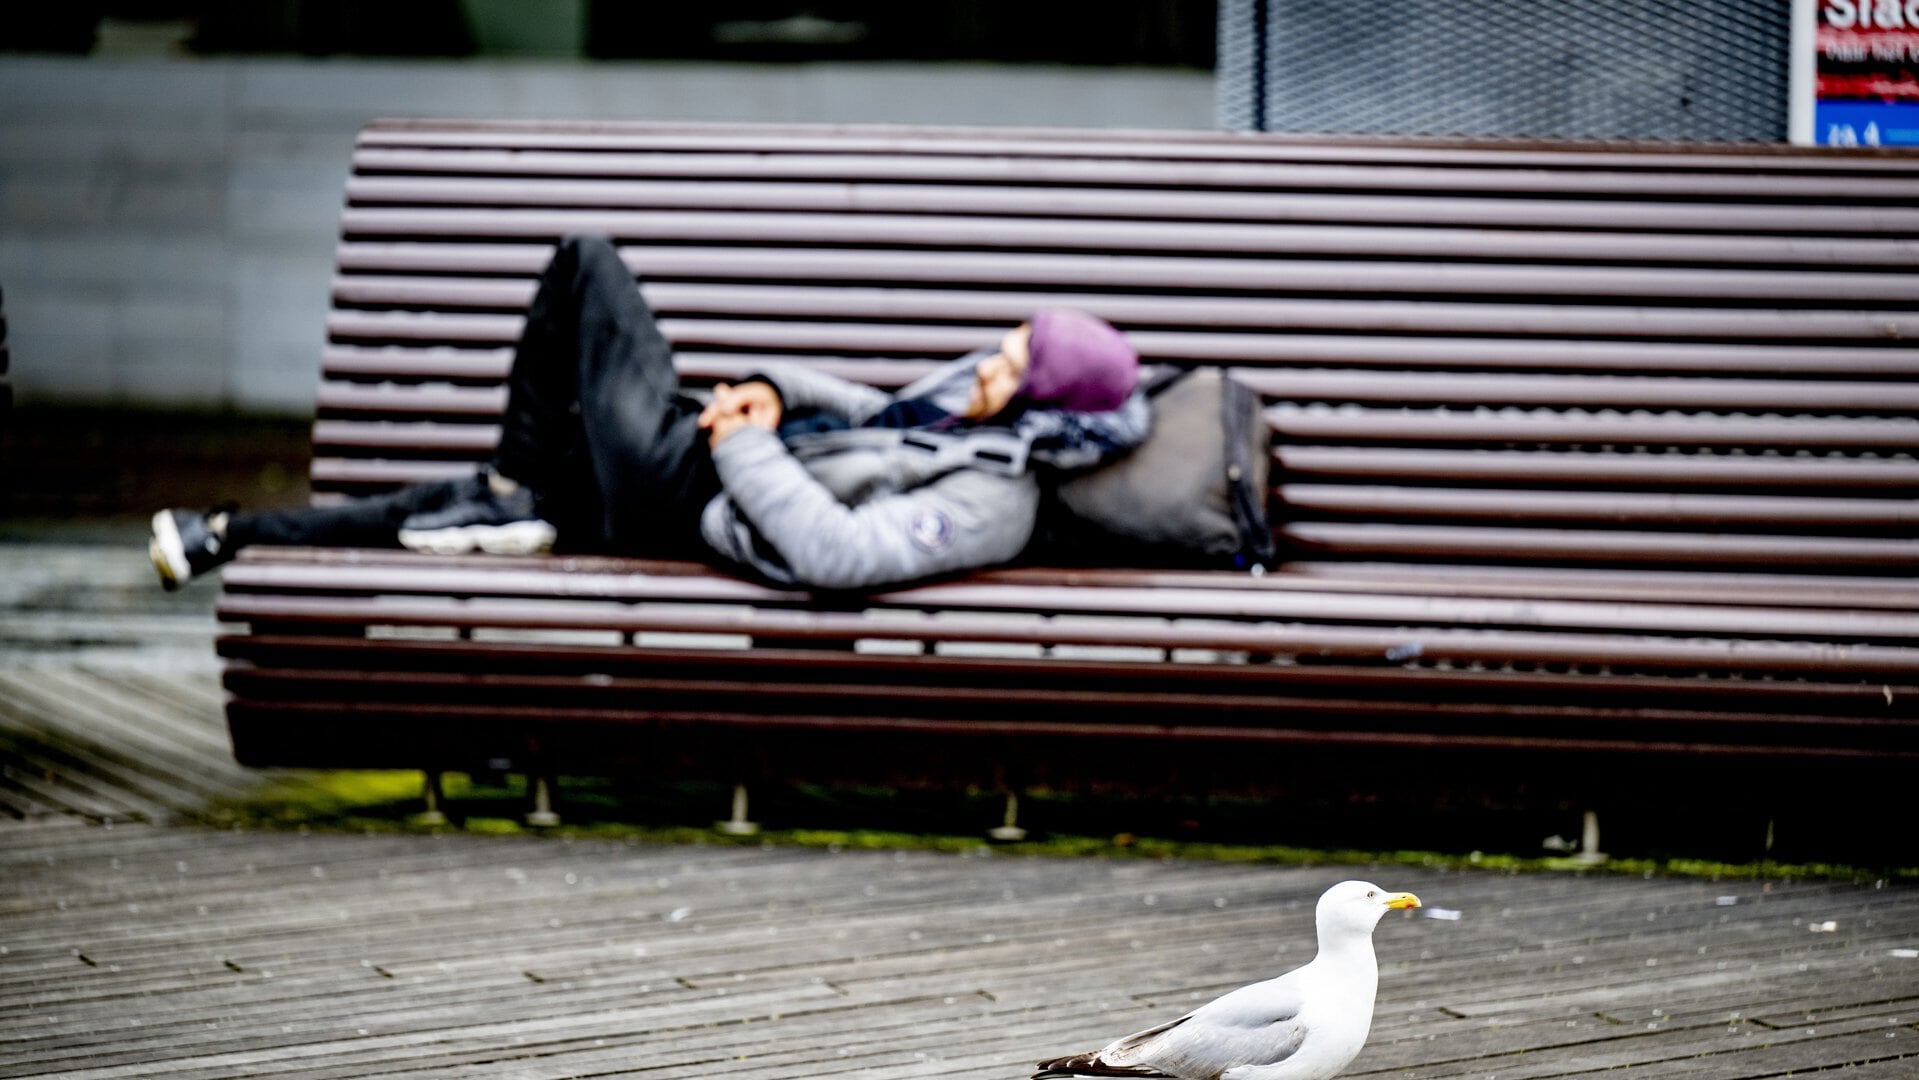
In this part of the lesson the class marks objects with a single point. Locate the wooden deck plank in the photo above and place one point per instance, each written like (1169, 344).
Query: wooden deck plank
(187, 731)
(48, 774)
(143, 749)
(80, 699)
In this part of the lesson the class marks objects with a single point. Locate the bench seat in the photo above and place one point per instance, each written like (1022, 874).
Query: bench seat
(1582, 454)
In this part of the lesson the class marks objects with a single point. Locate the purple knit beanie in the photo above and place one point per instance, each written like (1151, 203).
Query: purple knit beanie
(1077, 363)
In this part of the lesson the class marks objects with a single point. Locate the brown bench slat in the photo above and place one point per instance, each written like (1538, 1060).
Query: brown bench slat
(768, 138)
(1595, 547)
(1312, 424)
(1639, 392)
(1899, 476)
(1437, 644)
(1544, 507)
(410, 402)
(563, 153)
(1175, 272)
(284, 658)
(1007, 709)
(467, 329)
(1736, 589)
(1591, 392)
(1729, 394)
(1553, 616)
(425, 438)
(910, 698)
(1072, 168)
(1488, 544)
(1627, 510)
(1566, 583)
(362, 747)
(1557, 469)
(275, 653)
(370, 477)
(1279, 351)
(446, 364)
(742, 227)
(413, 363)
(911, 309)
(1442, 426)
(1864, 222)
(1495, 355)
(1171, 602)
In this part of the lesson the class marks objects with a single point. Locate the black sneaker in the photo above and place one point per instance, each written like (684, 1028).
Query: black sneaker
(184, 544)
(480, 519)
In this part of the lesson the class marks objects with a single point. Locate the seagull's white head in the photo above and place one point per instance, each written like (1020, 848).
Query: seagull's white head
(1355, 907)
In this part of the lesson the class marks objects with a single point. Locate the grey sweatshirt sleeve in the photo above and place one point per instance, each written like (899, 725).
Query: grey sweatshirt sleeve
(964, 520)
(801, 387)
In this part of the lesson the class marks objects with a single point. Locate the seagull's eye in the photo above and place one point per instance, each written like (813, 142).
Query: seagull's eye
(1370, 893)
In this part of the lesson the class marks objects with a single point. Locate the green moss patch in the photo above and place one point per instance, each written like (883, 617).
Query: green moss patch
(1247, 831)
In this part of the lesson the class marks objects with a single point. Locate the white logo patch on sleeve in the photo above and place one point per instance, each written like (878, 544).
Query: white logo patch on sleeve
(932, 530)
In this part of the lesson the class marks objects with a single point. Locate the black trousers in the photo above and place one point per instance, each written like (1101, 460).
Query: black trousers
(595, 424)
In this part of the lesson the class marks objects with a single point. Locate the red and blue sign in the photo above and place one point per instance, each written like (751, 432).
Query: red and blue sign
(1865, 76)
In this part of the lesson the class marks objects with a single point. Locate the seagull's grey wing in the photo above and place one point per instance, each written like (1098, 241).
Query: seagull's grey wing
(1114, 1059)
(1254, 1025)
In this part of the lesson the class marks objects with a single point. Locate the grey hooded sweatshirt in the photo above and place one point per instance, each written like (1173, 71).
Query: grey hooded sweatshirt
(868, 507)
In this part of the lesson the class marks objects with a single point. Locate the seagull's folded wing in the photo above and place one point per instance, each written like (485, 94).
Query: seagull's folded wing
(1254, 1025)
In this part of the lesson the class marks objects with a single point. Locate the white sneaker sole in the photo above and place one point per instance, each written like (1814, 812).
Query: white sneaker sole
(513, 538)
(169, 555)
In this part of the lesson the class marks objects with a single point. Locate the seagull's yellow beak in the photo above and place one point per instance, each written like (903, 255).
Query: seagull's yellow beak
(1402, 900)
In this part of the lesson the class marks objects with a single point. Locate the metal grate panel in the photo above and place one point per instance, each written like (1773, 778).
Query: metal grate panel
(1632, 69)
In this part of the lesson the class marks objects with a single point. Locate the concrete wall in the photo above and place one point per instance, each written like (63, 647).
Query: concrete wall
(167, 226)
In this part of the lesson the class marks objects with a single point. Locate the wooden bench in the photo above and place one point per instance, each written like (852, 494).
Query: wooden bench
(1586, 459)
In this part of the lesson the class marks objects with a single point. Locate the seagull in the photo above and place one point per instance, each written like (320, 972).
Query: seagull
(1305, 1025)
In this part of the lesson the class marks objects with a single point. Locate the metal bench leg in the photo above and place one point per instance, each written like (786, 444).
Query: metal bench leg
(542, 815)
(433, 791)
(738, 824)
(1587, 852)
(1008, 829)
(1589, 840)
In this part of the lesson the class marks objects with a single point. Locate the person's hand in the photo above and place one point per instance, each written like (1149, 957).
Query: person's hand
(734, 407)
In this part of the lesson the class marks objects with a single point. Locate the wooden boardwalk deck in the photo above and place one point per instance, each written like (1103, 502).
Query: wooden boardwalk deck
(133, 948)
(142, 951)
(109, 690)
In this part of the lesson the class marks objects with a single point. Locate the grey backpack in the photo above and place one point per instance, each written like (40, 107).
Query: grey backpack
(1192, 495)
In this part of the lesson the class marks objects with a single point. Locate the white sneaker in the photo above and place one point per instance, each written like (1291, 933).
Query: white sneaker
(183, 544)
(512, 538)
(480, 519)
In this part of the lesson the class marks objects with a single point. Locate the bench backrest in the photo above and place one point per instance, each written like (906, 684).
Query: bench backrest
(1644, 356)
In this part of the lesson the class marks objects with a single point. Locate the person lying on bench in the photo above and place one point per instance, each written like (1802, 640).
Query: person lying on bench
(797, 476)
